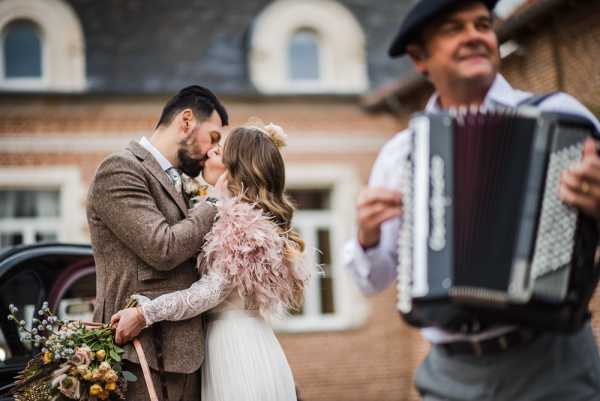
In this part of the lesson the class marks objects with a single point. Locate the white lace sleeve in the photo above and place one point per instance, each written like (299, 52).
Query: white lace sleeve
(203, 295)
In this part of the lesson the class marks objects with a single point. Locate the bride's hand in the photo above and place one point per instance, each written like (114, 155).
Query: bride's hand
(221, 188)
(129, 323)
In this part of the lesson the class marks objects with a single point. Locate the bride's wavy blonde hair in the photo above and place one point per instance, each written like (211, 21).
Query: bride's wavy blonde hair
(256, 173)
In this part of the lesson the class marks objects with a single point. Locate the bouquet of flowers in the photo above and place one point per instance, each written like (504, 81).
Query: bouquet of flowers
(77, 361)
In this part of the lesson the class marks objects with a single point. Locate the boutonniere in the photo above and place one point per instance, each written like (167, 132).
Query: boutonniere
(194, 189)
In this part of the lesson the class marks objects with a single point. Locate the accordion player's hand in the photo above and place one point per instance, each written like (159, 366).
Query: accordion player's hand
(580, 184)
(376, 205)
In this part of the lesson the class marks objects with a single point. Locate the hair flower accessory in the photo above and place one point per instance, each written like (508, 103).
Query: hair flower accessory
(277, 134)
(273, 131)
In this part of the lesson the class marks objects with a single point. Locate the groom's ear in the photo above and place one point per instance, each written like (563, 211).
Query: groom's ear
(186, 118)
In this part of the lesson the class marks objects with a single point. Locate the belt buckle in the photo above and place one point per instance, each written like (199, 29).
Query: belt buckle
(476, 345)
(503, 342)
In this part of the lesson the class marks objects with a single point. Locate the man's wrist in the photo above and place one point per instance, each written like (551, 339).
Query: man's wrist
(367, 242)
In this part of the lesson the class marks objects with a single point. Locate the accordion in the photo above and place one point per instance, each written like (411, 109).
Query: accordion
(485, 238)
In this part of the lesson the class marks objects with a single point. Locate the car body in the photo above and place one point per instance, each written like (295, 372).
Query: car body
(62, 274)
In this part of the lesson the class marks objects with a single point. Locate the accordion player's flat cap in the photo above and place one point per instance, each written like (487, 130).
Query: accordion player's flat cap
(420, 14)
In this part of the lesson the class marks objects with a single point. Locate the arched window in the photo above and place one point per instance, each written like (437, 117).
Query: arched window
(41, 46)
(303, 56)
(295, 48)
(22, 50)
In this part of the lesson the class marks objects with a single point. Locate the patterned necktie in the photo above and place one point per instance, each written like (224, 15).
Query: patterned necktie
(175, 177)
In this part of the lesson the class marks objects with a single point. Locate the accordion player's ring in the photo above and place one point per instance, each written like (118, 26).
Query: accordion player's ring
(584, 187)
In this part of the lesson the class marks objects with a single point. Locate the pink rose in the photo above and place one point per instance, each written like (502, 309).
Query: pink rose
(82, 357)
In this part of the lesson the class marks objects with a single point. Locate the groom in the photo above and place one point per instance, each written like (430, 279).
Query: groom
(145, 239)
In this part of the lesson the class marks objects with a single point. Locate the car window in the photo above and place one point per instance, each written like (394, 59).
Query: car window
(25, 290)
(76, 300)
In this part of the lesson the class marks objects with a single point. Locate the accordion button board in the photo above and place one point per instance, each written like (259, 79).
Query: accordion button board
(483, 227)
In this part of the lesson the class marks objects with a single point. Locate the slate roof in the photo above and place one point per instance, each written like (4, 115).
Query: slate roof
(155, 46)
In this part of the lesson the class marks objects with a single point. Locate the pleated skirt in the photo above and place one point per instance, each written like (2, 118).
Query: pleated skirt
(244, 360)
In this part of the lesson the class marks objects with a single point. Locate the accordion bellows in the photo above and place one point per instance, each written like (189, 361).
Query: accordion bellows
(485, 237)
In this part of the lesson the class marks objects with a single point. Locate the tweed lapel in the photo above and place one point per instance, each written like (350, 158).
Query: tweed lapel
(150, 163)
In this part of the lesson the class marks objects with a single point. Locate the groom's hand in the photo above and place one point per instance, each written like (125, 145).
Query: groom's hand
(129, 323)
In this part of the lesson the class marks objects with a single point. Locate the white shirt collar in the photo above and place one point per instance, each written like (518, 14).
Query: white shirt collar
(499, 94)
(164, 163)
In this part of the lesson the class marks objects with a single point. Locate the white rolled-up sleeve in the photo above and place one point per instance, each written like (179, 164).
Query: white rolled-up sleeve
(374, 269)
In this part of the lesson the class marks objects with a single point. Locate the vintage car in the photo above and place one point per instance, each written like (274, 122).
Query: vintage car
(62, 274)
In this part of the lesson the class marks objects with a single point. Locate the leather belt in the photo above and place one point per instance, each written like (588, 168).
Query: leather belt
(494, 345)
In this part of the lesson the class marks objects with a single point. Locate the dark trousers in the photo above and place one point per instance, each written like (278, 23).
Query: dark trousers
(180, 387)
(551, 368)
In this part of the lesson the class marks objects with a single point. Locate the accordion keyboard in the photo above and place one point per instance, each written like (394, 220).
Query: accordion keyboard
(555, 237)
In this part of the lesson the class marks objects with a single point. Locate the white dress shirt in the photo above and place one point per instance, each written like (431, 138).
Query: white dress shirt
(164, 163)
(374, 270)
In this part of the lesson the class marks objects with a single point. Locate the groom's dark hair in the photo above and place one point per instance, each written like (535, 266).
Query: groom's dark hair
(201, 100)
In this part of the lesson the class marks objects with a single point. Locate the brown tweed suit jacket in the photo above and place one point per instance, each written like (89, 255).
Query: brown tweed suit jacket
(145, 241)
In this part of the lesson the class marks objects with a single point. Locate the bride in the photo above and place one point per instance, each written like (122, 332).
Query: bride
(251, 266)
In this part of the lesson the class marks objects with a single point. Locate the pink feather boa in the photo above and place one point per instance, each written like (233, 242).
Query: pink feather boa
(247, 246)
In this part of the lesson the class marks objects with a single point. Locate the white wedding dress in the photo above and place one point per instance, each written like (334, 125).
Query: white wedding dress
(243, 359)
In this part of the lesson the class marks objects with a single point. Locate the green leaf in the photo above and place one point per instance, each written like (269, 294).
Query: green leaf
(113, 355)
(130, 377)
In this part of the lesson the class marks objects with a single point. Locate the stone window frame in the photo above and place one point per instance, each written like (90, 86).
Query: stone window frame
(62, 43)
(343, 64)
(351, 309)
(67, 180)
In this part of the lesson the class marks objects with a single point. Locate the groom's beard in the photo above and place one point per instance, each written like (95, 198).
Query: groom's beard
(189, 165)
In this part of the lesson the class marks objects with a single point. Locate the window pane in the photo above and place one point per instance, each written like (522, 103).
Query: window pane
(10, 239)
(22, 51)
(303, 56)
(78, 301)
(316, 199)
(25, 203)
(326, 281)
(46, 236)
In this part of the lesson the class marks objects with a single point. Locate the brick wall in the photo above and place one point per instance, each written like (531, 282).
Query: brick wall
(562, 54)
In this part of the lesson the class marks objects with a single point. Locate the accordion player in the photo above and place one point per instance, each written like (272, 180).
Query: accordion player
(485, 238)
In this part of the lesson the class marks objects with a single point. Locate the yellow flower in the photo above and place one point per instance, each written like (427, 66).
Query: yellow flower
(111, 386)
(96, 390)
(97, 375)
(104, 367)
(87, 375)
(202, 190)
(103, 395)
(111, 376)
(100, 355)
(82, 370)
(47, 358)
